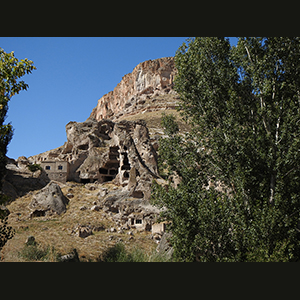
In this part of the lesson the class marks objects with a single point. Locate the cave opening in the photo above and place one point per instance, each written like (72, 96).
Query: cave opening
(111, 168)
(107, 178)
(85, 180)
(126, 164)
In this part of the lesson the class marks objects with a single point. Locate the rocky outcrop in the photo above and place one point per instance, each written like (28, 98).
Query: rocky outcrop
(104, 151)
(18, 180)
(128, 210)
(140, 90)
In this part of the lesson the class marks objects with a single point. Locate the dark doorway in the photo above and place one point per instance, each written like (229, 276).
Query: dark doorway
(85, 180)
(108, 178)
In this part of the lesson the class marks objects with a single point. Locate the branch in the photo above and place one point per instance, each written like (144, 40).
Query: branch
(248, 54)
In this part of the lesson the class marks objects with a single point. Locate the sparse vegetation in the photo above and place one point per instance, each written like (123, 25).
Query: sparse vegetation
(35, 252)
(56, 230)
(34, 167)
(118, 253)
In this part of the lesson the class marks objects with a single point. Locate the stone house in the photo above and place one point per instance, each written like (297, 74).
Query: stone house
(158, 228)
(56, 170)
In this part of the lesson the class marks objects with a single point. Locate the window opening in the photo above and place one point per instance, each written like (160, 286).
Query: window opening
(103, 171)
(48, 168)
(113, 172)
(60, 167)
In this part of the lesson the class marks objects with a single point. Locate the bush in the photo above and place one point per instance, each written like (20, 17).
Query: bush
(118, 253)
(35, 252)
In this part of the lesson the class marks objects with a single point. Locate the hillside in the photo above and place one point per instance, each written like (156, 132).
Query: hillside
(105, 170)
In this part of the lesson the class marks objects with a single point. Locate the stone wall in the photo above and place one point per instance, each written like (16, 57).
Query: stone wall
(56, 170)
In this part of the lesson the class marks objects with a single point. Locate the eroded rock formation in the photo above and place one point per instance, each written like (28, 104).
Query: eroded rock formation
(106, 151)
(149, 80)
(48, 200)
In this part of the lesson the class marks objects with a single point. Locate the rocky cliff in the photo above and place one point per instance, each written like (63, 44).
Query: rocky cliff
(140, 91)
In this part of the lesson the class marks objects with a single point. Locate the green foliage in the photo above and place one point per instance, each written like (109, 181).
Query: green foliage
(118, 253)
(11, 69)
(6, 232)
(34, 167)
(243, 104)
(35, 252)
(169, 124)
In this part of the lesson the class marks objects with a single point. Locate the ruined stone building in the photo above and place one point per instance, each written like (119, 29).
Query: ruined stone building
(56, 170)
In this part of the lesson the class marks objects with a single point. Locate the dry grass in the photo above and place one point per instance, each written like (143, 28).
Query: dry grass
(55, 231)
(153, 120)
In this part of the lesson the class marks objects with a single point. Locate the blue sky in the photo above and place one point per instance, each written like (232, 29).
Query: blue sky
(72, 74)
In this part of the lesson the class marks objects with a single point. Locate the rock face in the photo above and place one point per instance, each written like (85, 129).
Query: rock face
(147, 80)
(106, 151)
(108, 148)
(135, 213)
(18, 180)
(48, 200)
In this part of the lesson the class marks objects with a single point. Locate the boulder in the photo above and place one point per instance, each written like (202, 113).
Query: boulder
(164, 246)
(96, 207)
(84, 231)
(50, 200)
(30, 241)
(70, 257)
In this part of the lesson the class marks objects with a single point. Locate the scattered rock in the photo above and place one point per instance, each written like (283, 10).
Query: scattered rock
(102, 193)
(96, 207)
(90, 187)
(30, 241)
(70, 195)
(98, 228)
(70, 257)
(83, 207)
(82, 231)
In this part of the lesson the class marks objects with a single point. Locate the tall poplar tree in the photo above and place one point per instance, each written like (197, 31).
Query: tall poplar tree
(243, 104)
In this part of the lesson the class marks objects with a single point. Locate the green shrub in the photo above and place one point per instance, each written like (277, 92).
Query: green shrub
(118, 253)
(35, 252)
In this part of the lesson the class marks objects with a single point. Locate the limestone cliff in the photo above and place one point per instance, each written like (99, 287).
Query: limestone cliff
(147, 81)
